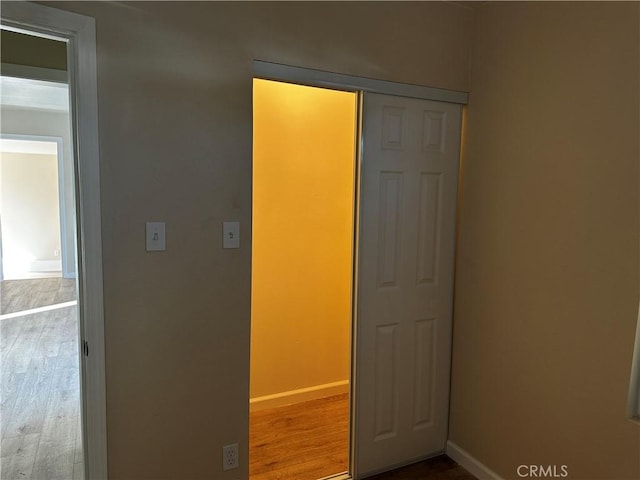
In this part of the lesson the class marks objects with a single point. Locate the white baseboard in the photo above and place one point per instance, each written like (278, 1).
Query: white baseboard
(470, 463)
(46, 266)
(300, 395)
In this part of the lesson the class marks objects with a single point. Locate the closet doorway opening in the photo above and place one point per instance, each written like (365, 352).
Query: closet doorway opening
(304, 191)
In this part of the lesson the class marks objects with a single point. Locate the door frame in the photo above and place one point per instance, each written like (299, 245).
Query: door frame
(80, 34)
(359, 85)
(351, 83)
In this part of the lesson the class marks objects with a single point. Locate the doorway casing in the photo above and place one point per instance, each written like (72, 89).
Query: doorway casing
(79, 33)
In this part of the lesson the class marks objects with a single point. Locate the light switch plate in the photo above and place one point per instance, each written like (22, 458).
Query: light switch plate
(230, 234)
(156, 238)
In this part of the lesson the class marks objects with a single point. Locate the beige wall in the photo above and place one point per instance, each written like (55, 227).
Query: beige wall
(547, 266)
(30, 210)
(174, 88)
(304, 142)
(17, 121)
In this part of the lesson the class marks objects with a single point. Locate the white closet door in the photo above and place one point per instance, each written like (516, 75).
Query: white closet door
(409, 177)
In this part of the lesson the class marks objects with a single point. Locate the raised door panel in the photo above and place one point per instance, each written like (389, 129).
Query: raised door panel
(408, 189)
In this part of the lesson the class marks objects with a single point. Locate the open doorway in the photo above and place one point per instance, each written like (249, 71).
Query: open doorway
(41, 400)
(32, 191)
(304, 150)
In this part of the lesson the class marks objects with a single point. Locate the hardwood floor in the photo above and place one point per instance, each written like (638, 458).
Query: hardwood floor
(310, 440)
(305, 441)
(40, 404)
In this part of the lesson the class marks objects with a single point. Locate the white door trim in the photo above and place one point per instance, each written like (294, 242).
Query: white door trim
(634, 387)
(79, 30)
(352, 83)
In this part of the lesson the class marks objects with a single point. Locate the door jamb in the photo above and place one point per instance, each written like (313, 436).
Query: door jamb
(79, 31)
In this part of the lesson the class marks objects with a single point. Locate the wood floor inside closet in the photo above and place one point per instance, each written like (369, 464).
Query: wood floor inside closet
(304, 441)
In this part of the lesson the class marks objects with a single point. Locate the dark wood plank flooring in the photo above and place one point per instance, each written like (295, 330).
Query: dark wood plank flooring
(438, 468)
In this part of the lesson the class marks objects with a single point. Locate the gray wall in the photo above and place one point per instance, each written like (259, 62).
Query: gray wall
(20, 49)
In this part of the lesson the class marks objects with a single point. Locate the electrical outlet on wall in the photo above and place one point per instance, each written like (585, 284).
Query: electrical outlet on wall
(230, 457)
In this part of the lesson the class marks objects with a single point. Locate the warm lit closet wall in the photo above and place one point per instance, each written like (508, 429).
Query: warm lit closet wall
(303, 191)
